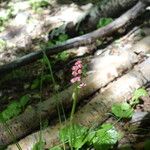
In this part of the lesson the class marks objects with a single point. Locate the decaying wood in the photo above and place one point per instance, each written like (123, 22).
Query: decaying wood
(79, 41)
(104, 69)
(95, 111)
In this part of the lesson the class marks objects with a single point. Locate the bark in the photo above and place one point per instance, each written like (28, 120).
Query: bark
(111, 8)
(104, 69)
(95, 111)
(79, 41)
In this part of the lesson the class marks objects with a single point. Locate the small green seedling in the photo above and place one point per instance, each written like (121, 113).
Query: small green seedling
(105, 137)
(137, 95)
(74, 134)
(122, 110)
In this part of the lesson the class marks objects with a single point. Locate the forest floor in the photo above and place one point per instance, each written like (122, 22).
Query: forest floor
(29, 26)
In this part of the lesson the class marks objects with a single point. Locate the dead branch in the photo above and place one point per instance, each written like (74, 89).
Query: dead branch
(89, 38)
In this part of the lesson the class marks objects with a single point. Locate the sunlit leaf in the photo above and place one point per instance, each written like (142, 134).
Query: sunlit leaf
(122, 110)
(105, 137)
(137, 95)
(74, 133)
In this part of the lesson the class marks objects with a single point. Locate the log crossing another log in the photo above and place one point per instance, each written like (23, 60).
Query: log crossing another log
(86, 39)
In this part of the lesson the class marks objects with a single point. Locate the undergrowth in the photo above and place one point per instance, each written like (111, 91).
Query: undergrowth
(72, 135)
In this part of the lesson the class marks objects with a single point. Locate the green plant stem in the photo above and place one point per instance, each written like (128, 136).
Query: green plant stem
(74, 96)
(56, 92)
(40, 117)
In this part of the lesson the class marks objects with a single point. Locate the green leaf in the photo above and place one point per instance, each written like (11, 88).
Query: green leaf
(122, 110)
(103, 22)
(137, 95)
(24, 100)
(35, 84)
(74, 133)
(12, 110)
(39, 146)
(105, 137)
(90, 136)
(56, 148)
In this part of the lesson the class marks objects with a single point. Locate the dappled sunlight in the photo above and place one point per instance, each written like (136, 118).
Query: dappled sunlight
(73, 73)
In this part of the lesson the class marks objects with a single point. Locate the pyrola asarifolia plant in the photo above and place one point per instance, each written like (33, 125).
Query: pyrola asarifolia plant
(77, 73)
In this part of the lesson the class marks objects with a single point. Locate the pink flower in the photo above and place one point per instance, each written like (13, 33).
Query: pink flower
(73, 80)
(79, 71)
(79, 66)
(76, 73)
(74, 68)
(78, 78)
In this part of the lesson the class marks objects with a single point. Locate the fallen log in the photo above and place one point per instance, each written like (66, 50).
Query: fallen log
(78, 41)
(95, 111)
(105, 68)
(23, 36)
